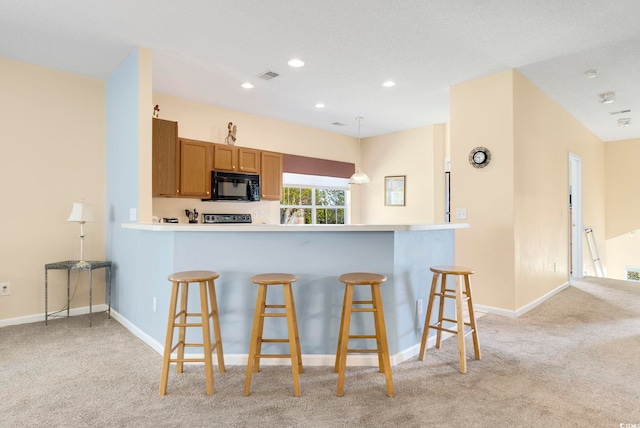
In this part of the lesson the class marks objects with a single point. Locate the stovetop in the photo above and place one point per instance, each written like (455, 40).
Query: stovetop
(226, 218)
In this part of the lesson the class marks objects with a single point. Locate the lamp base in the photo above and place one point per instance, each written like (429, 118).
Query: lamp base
(82, 263)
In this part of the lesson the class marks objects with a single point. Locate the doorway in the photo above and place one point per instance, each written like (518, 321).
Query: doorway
(575, 217)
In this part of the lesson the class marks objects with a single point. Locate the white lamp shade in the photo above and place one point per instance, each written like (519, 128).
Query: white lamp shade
(81, 212)
(359, 178)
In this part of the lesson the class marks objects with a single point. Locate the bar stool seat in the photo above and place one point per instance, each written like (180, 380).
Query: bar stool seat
(208, 311)
(348, 307)
(461, 293)
(261, 312)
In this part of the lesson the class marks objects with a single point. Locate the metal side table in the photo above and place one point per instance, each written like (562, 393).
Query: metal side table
(70, 265)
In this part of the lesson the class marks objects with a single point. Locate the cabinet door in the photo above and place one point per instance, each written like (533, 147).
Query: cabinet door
(165, 159)
(224, 157)
(271, 176)
(195, 168)
(248, 160)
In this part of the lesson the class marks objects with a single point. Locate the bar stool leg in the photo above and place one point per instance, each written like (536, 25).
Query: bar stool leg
(341, 354)
(295, 324)
(427, 320)
(263, 311)
(339, 348)
(376, 325)
(443, 287)
(256, 336)
(206, 337)
(164, 377)
(184, 297)
(381, 337)
(213, 301)
(460, 325)
(294, 349)
(472, 318)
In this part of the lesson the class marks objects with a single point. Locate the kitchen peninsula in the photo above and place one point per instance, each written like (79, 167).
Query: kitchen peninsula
(318, 254)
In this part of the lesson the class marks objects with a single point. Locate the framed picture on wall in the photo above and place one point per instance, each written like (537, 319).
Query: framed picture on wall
(394, 190)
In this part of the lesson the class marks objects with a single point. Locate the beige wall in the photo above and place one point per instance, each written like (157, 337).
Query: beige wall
(52, 153)
(623, 206)
(482, 115)
(518, 205)
(417, 154)
(622, 187)
(209, 123)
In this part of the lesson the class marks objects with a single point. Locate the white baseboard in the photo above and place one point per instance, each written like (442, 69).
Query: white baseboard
(154, 344)
(40, 317)
(523, 310)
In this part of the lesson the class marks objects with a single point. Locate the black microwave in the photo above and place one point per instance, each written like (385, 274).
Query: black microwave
(229, 186)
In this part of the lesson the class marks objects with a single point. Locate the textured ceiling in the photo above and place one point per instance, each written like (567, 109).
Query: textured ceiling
(204, 49)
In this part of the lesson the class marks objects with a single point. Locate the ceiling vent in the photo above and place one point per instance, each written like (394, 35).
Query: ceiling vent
(339, 124)
(621, 111)
(268, 75)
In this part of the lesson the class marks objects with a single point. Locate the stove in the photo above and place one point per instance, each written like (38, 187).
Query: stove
(226, 218)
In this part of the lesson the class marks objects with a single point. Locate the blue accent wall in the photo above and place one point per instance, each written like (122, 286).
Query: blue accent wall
(122, 134)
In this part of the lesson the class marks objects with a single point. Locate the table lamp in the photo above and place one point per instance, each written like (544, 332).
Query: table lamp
(81, 213)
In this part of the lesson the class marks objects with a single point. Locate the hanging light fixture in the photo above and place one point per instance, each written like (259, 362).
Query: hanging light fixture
(359, 177)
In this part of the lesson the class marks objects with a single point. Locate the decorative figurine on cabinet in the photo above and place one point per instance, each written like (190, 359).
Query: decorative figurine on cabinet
(231, 136)
(156, 110)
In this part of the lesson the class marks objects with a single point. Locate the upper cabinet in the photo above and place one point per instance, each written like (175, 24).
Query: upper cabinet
(195, 168)
(248, 160)
(235, 159)
(165, 158)
(271, 176)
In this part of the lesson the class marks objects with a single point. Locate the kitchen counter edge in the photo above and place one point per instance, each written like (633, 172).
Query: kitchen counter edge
(186, 227)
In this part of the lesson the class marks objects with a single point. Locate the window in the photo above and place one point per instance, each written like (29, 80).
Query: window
(313, 200)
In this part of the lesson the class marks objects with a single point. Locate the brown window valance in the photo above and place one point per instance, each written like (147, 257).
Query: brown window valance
(314, 166)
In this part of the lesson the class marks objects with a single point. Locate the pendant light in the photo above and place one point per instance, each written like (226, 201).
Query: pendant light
(359, 177)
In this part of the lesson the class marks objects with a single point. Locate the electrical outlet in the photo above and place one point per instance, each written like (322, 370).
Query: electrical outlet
(155, 304)
(461, 213)
(5, 289)
(419, 307)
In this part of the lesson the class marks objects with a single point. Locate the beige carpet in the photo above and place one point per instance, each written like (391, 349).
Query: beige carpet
(573, 361)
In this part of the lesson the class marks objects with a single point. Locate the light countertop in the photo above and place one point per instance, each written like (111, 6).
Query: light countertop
(235, 227)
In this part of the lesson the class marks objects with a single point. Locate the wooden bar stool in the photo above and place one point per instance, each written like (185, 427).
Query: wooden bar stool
(460, 295)
(208, 311)
(255, 346)
(348, 307)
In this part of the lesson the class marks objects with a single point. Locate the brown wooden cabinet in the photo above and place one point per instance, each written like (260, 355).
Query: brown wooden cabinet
(195, 168)
(165, 159)
(271, 176)
(235, 159)
(248, 160)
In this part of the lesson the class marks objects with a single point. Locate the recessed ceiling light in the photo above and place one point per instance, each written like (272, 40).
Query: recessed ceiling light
(247, 85)
(625, 121)
(295, 62)
(607, 97)
(590, 74)
(320, 105)
(389, 83)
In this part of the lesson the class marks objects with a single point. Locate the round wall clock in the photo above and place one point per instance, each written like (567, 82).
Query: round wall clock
(480, 157)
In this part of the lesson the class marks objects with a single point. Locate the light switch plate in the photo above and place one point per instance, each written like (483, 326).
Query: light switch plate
(132, 214)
